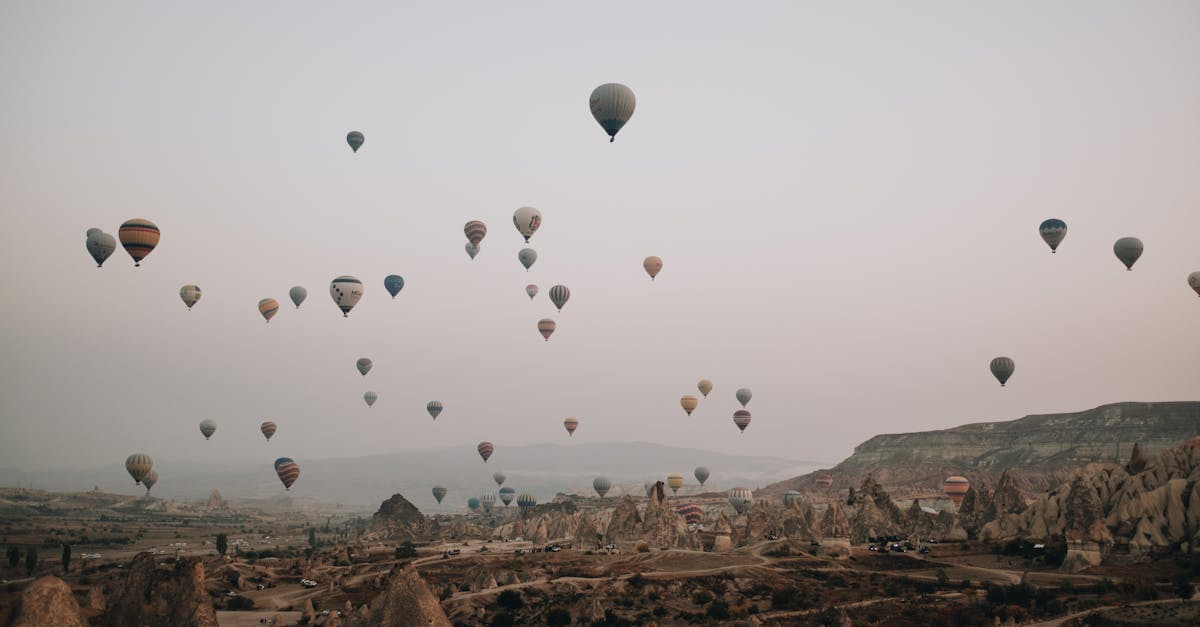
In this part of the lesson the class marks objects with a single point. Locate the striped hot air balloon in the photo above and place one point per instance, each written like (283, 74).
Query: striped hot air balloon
(507, 494)
(268, 307)
(956, 487)
(138, 466)
(434, 408)
(531, 290)
(741, 499)
(559, 295)
(824, 480)
(612, 105)
(674, 481)
(370, 397)
(297, 294)
(288, 470)
(346, 292)
(652, 265)
(475, 231)
(487, 500)
(1002, 368)
(439, 492)
(601, 485)
(268, 429)
(1053, 231)
(150, 479)
(792, 496)
(689, 403)
(527, 220)
(546, 327)
(526, 500)
(364, 365)
(701, 474)
(692, 514)
(139, 237)
(571, 424)
(207, 428)
(741, 418)
(190, 294)
(100, 246)
(485, 450)
(499, 477)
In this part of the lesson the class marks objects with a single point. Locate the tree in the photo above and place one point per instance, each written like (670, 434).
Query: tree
(14, 556)
(66, 557)
(1183, 587)
(222, 543)
(31, 560)
(558, 616)
(405, 550)
(312, 537)
(510, 600)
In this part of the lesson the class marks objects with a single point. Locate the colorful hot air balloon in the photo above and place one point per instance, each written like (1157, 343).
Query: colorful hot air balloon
(741, 499)
(526, 500)
(364, 365)
(546, 327)
(472, 250)
(743, 396)
(288, 470)
(956, 488)
(527, 256)
(473, 503)
(139, 237)
(393, 283)
(355, 139)
(138, 466)
(531, 290)
(475, 231)
(689, 403)
(487, 500)
(370, 397)
(100, 245)
(1002, 369)
(499, 477)
(652, 265)
(559, 295)
(1128, 250)
(208, 427)
(297, 294)
(612, 105)
(150, 479)
(190, 294)
(507, 494)
(674, 481)
(1194, 281)
(439, 493)
(824, 480)
(705, 386)
(434, 408)
(741, 418)
(346, 292)
(1053, 231)
(268, 429)
(601, 485)
(792, 496)
(701, 474)
(527, 220)
(268, 307)
(691, 513)
(571, 424)
(485, 450)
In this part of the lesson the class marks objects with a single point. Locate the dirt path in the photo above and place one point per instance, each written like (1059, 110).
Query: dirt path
(254, 619)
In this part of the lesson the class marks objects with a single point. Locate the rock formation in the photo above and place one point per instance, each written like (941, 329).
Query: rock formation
(659, 525)
(48, 601)
(215, 501)
(834, 523)
(162, 597)
(397, 519)
(407, 602)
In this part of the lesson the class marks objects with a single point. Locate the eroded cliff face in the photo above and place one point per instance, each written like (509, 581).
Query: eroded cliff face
(407, 602)
(398, 519)
(168, 596)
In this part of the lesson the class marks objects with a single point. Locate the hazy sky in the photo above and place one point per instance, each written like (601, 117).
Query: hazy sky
(845, 195)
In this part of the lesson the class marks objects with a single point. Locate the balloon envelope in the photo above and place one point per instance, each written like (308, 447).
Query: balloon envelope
(473, 503)
(601, 485)
(475, 231)
(546, 327)
(741, 499)
(674, 481)
(439, 493)
(527, 256)
(472, 250)
(792, 496)
(287, 470)
(701, 474)
(364, 365)
(1194, 281)
(355, 139)
(100, 245)
(559, 295)
(571, 424)
(1053, 231)
(612, 105)
(297, 294)
(139, 237)
(190, 294)
(824, 480)
(526, 500)
(652, 265)
(485, 450)
(531, 290)
(268, 429)
(150, 479)
(527, 220)
(705, 386)
(487, 500)
(689, 403)
(743, 396)
(1128, 250)
(741, 418)
(434, 408)
(346, 292)
(268, 307)
(208, 427)
(1002, 368)
(956, 487)
(507, 494)
(499, 478)
(393, 284)
(370, 397)
(138, 466)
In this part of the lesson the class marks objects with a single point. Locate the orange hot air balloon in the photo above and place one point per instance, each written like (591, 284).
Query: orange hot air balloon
(652, 265)
(956, 488)
(139, 237)
(689, 403)
(546, 327)
(571, 424)
(268, 307)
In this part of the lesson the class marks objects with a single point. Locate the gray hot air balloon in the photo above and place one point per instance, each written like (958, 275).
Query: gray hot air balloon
(149, 480)
(527, 220)
(1053, 231)
(527, 256)
(208, 427)
(1128, 249)
(298, 294)
(701, 474)
(364, 365)
(559, 295)
(472, 250)
(393, 283)
(601, 485)
(370, 398)
(100, 245)
(434, 408)
(1194, 281)
(741, 499)
(1002, 369)
(355, 139)
(190, 294)
(92, 231)
(743, 396)
(439, 493)
(612, 105)
(507, 494)
(499, 478)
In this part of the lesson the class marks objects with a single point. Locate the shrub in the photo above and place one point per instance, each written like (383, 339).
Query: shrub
(558, 616)
(718, 609)
(510, 600)
(406, 550)
(701, 597)
(503, 619)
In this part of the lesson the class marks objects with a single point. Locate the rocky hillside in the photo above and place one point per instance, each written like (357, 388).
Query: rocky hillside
(1046, 448)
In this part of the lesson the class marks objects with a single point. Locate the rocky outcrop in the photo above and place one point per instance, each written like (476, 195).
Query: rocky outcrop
(834, 523)
(407, 602)
(397, 519)
(163, 597)
(658, 525)
(48, 601)
(874, 513)
(215, 501)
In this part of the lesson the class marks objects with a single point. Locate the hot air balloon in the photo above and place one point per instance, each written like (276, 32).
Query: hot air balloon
(612, 105)
(346, 292)
(485, 450)
(653, 266)
(527, 256)
(743, 396)
(741, 418)
(268, 429)
(1194, 281)
(689, 403)
(1053, 231)
(526, 500)
(956, 488)
(1128, 249)
(268, 307)
(601, 485)
(531, 290)
(824, 480)
(355, 139)
(546, 327)
(487, 500)
(705, 386)
(527, 220)
(439, 493)
(741, 499)
(370, 397)
(288, 470)
(298, 294)
(139, 237)
(475, 231)
(364, 365)
(473, 503)
(208, 427)
(393, 283)
(691, 513)
(559, 295)
(190, 294)
(499, 477)
(1002, 369)
(701, 474)
(507, 494)
(434, 408)
(472, 250)
(674, 481)
(792, 496)
(92, 231)
(100, 245)
(149, 480)
(571, 424)
(138, 466)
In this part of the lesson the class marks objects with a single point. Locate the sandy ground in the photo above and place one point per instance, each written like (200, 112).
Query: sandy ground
(254, 619)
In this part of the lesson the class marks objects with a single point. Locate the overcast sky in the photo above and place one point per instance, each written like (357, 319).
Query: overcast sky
(845, 196)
